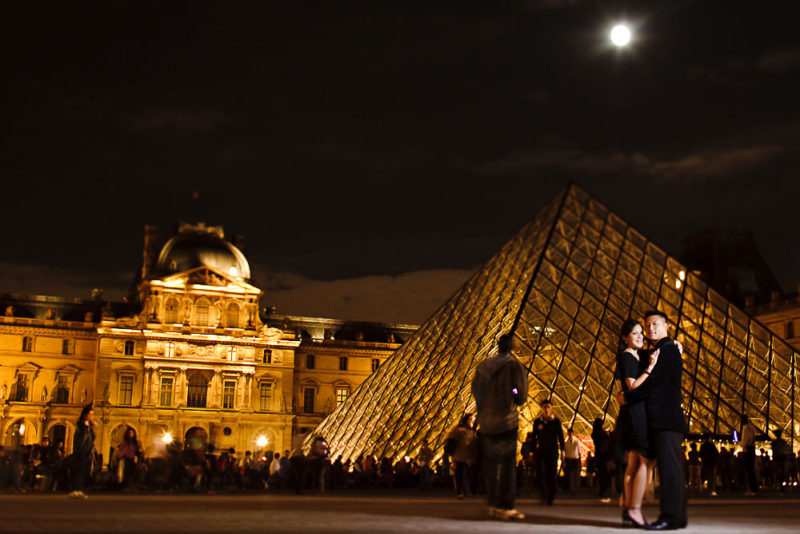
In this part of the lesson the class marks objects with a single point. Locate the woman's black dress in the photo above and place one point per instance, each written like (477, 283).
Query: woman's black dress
(633, 417)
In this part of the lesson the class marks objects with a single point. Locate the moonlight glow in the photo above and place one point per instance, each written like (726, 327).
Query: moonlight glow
(620, 35)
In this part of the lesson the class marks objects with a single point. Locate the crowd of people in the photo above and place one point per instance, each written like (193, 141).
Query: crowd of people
(710, 467)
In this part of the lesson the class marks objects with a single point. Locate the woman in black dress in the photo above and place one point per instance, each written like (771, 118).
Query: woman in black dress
(633, 367)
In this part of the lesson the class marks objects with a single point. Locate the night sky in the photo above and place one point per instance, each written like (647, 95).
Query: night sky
(383, 150)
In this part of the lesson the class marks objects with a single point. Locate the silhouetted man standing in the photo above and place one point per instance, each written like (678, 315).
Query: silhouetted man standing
(499, 386)
(665, 421)
(548, 433)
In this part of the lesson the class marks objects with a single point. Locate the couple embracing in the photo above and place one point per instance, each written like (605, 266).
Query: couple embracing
(651, 420)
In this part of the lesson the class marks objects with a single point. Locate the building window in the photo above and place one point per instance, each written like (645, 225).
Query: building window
(169, 349)
(231, 354)
(341, 395)
(789, 330)
(197, 391)
(308, 400)
(201, 313)
(267, 356)
(233, 315)
(126, 390)
(265, 403)
(310, 361)
(375, 364)
(343, 363)
(21, 388)
(66, 346)
(228, 394)
(27, 344)
(129, 348)
(171, 311)
(62, 389)
(165, 398)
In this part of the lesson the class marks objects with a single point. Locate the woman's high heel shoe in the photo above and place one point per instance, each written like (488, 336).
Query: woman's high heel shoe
(633, 522)
(626, 518)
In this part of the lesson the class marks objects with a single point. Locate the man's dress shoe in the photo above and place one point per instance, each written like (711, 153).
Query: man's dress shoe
(662, 524)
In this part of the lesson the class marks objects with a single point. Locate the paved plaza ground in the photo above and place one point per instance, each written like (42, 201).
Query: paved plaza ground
(347, 512)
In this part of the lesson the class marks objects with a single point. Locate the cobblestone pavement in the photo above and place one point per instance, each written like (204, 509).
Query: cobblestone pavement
(381, 513)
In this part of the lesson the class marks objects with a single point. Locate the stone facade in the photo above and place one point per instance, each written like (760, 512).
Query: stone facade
(193, 355)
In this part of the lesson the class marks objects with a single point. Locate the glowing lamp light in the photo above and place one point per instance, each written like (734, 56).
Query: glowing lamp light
(682, 275)
(22, 429)
(677, 284)
(261, 441)
(166, 438)
(620, 35)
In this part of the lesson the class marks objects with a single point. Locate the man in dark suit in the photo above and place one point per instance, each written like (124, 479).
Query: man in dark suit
(666, 423)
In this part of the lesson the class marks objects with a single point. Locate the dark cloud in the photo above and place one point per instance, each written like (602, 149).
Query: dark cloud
(166, 121)
(780, 60)
(705, 165)
(409, 298)
(32, 279)
(714, 164)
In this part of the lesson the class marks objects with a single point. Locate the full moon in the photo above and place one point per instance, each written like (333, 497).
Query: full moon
(620, 35)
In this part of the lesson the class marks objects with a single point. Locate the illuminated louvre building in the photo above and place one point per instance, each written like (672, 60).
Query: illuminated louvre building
(563, 285)
(192, 355)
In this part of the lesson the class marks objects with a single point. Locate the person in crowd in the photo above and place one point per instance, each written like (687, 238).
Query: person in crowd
(602, 456)
(693, 458)
(662, 393)
(424, 459)
(548, 434)
(572, 462)
(461, 445)
(286, 469)
(297, 470)
(780, 458)
(725, 468)
(709, 456)
(500, 385)
(386, 473)
(82, 448)
(130, 454)
(748, 444)
(529, 458)
(317, 463)
(275, 477)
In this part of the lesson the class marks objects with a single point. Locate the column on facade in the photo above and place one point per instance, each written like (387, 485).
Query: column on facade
(147, 386)
(216, 389)
(248, 390)
(179, 392)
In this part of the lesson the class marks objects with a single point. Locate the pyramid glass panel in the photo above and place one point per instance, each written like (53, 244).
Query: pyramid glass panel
(563, 285)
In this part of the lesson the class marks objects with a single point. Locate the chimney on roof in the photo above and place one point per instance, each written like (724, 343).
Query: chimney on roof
(149, 250)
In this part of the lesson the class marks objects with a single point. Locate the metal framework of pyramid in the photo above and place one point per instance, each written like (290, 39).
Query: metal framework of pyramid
(564, 284)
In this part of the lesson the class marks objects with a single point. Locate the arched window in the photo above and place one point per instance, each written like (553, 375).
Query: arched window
(233, 315)
(201, 313)
(58, 433)
(197, 391)
(171, 311)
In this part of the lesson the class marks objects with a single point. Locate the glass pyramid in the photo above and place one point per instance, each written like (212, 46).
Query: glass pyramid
(564, 284)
